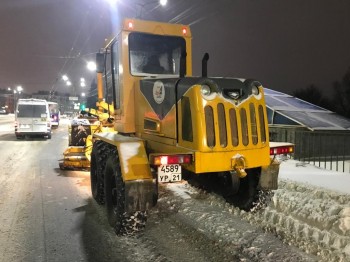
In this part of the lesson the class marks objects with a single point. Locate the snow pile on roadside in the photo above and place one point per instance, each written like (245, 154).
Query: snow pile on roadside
(312, 175)
(312, 218)
(210, 217)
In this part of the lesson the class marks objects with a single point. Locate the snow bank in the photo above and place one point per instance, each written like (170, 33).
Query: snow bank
(310, 210)
(312, 175)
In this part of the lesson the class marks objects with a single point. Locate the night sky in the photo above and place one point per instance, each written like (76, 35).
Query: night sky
(287, 45)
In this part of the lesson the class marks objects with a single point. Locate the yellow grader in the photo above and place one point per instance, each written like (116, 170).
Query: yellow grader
(80, 131)
(170, 125)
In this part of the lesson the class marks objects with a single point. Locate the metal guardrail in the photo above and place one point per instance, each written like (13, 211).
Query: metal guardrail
(325, 149)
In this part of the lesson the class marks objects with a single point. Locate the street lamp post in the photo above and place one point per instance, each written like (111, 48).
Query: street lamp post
(16, 94)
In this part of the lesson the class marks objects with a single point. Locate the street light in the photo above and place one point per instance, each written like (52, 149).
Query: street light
(163, 2)
(160, 3)
(112, 2)
(82, 82)
(91, 66)
(19, 89)
(16, 93)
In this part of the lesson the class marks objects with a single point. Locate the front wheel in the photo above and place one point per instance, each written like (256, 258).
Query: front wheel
(248, 193)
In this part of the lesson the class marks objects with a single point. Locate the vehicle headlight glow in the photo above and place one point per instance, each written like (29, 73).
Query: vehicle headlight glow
(205, 90)
(255, 90)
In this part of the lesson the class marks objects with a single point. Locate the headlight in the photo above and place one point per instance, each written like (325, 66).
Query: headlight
(255, 90)
(205, 90)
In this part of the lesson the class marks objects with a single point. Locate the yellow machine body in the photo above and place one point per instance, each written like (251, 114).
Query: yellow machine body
(132, 155)
(222, 133)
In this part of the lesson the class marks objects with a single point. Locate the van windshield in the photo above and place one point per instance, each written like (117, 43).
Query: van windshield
(31, 110)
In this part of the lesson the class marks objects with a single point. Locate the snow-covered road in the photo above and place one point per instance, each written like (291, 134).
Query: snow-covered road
(49, 215)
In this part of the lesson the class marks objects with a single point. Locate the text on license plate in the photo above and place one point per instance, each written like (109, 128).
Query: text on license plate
(169, 173)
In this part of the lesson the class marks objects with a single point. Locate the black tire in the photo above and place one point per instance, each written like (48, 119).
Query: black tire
(97, 166)
(49, 136)
(248, 192)
(122, 222)
(114, 193)
(155, 195)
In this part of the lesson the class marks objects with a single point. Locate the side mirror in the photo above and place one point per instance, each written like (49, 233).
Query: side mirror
(100, 62)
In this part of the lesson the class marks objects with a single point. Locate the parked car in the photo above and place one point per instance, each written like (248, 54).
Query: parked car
(3, 111)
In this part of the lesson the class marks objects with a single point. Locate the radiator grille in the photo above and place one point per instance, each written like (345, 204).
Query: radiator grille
(209, 124)
(222, 125)
(234, 127)
(248, 120)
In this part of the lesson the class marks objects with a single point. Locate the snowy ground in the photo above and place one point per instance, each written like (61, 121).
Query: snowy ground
(310, 210)
(312, 175)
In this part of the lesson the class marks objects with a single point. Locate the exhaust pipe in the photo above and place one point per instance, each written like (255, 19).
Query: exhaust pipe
(183, 64)
(205, 65)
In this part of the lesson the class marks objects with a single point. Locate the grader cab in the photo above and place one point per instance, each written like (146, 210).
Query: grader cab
(171, 125)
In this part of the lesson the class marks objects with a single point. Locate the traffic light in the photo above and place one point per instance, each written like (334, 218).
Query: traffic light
(82, 107)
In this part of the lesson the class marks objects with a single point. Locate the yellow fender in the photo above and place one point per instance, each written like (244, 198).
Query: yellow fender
(132, 154)
(140, 186)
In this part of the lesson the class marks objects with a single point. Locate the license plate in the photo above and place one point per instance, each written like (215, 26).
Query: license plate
(169, 173)
(24, 126)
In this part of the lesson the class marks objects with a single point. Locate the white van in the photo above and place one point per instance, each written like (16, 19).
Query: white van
(32, 118)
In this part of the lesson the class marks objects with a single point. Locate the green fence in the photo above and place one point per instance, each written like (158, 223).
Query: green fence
(325, 149)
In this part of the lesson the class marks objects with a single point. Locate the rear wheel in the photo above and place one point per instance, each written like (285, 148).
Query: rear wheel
(114, 193)
(97, 166)
(122, 222)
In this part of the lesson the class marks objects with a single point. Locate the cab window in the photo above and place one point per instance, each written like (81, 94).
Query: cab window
(155, 54)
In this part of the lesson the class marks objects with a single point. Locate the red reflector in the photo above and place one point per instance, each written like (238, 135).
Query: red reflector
(281, 150)
(171, 159)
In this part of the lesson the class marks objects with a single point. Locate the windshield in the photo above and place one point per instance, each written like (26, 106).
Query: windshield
(155, 54)
(53, 107)
(26, 110)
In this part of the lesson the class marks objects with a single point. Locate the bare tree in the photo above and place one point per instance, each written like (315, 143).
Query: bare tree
(313, 95)
(341, 95)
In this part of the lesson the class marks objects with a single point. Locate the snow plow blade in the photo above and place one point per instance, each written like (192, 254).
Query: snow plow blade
(74, 158)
